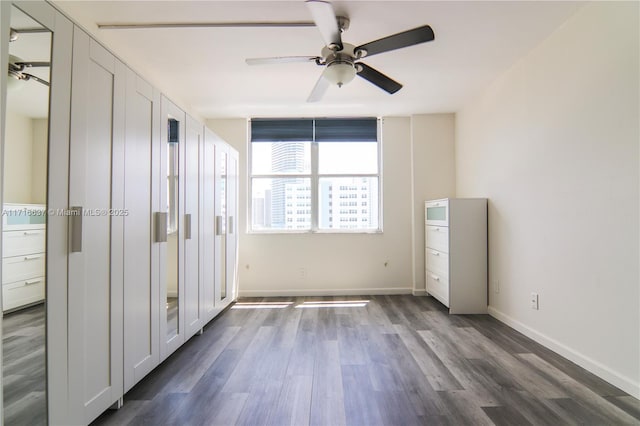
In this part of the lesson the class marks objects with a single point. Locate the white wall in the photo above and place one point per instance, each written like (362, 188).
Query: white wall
(17, 152)
(26, 154)
(39, 160)
(553, 144)
(434, 177)
(292, 264)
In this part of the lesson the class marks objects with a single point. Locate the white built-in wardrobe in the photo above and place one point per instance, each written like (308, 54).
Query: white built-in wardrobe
(148, 252)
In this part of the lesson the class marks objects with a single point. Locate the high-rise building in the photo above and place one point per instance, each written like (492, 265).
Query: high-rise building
(285, 158)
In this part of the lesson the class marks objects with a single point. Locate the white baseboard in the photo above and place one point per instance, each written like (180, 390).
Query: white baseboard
(418, 292)
(172, 293)
(324, 292)
(605, 373)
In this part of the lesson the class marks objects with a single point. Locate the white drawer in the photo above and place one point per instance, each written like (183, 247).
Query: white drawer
(22, 267)
(437, 262)
(438, 287)
(436, 212)
(22, 293)
(437, 237)
(18, 243)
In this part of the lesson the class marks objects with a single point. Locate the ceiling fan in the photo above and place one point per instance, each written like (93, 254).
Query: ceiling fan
(342, 60)
(17, 66)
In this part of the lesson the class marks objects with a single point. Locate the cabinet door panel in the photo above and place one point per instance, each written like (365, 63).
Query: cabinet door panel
(95, 272)
(232, 223)
(192, 290)
(208, 221)
(171, 252)
(141, 297)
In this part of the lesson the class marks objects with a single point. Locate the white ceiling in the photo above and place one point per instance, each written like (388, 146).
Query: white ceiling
(204, 70)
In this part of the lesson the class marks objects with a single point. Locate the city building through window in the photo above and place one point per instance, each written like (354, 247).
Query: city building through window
(314, 175)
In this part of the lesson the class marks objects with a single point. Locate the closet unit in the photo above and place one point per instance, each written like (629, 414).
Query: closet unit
(142, 251)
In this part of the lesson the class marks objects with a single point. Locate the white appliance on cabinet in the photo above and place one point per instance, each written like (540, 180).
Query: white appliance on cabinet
(456, 253)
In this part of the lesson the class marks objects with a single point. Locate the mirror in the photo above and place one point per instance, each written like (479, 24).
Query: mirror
(223, 231)
(24, 216)
(173, 193)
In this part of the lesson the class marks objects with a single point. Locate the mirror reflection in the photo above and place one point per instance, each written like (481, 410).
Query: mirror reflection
(172, 227)
(24, 222)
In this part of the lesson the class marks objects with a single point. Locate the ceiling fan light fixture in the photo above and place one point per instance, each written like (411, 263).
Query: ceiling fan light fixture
(340, 72)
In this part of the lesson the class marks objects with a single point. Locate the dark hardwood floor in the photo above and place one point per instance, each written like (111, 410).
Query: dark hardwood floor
(379, 360)
(23, 367)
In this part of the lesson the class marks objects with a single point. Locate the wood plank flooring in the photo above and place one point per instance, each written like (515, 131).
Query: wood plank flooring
(378, 360)
(23, 367)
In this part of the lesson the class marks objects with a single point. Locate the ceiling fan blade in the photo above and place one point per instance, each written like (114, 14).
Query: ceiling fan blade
(376, 77)
(398, 41)
(26, 76)
(33, 64)
(319, 89)
(281, 60)
(325, 19)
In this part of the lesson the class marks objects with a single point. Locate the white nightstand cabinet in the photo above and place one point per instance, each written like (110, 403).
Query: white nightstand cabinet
(456, 253)
(23, 255)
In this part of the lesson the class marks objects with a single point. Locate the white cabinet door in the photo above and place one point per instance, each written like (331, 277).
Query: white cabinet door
(221, 208)
(232, 223)
(208, 226)
(192, 287)
(141, 292)
(96, 259)
(171, 260)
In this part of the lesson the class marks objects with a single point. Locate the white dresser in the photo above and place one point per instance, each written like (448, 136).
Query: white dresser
(23, 255)
(456, 253)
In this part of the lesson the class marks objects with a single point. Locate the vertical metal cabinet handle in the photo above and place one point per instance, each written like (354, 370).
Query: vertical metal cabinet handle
(76, 229)
(187, 226)
(230, 225)
(161, 227)
(218, 225)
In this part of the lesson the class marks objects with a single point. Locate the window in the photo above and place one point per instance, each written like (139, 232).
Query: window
(300, 168)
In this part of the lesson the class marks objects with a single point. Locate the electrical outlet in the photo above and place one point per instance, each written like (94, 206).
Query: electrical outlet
(534, 301)
(302, 273)
(496, 286)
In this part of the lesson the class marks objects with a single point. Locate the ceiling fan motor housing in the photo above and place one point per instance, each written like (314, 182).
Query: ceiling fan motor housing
(340, 64)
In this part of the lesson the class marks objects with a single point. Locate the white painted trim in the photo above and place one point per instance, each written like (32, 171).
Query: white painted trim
(420, 292)
(627, 384)
(324, 292)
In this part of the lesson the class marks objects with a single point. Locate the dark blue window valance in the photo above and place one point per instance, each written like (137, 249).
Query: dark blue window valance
(318, 130)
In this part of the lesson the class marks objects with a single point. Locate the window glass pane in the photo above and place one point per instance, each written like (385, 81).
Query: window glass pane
(348, 203)
(348, 157)
(281, 204)
(280, 158)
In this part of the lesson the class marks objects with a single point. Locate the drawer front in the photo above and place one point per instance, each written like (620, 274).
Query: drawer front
(15, 295)
(437, 262)
(22, 267)
(436, 212)
(437, 237)
(23, 216)
(438, 287)
(19, 243)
